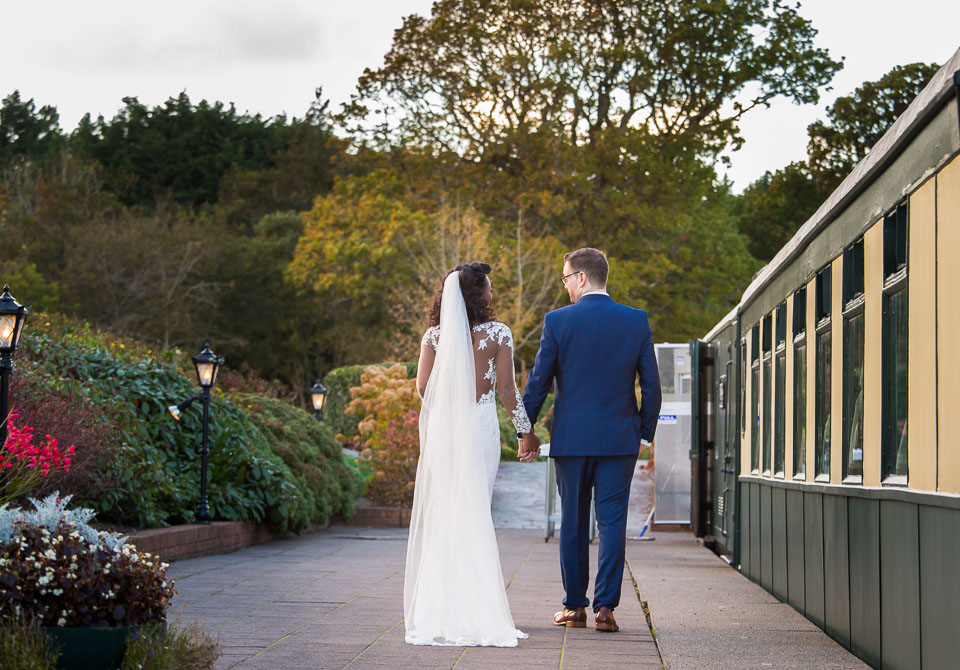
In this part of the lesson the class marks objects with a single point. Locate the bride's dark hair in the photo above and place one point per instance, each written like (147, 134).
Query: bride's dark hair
(473, 281)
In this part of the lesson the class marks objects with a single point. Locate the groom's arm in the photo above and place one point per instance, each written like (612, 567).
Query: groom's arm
(540, 379)
(649, 384)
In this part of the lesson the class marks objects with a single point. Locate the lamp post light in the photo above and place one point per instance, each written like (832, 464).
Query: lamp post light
(318, 396)
(12, 317)
(207, 364)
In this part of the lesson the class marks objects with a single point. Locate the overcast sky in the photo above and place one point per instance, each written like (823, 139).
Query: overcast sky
(268, 57)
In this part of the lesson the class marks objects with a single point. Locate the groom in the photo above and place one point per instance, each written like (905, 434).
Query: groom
(592, 351)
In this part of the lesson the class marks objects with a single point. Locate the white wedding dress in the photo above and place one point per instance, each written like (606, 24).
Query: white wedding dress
(453, 591)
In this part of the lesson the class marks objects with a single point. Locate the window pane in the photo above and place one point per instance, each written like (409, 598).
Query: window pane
(780, 412)
(755, 417)
(853, 396)
(800, 409)
(665, 364)
(821, 454)
(767, 364)
(895, 385)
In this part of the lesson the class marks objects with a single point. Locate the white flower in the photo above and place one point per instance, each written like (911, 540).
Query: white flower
(61, 622)
(51, 554)
(58, 592)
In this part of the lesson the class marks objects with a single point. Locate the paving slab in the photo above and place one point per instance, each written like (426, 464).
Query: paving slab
(706, 614)
(334, 599)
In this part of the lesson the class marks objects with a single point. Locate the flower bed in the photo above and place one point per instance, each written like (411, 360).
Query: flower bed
(144, 468)
(58, 570)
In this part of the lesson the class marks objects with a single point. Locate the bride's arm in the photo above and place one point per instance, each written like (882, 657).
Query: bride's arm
(507, 387)
(427, 356)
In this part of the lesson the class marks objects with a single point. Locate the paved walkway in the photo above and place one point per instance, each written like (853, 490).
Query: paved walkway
(708, 615)
(333, 599)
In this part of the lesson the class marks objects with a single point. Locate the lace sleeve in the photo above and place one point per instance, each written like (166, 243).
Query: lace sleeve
(507, 386)
(431, 337)
(428, 353)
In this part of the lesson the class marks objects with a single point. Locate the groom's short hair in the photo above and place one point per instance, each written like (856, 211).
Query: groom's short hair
(591, 262)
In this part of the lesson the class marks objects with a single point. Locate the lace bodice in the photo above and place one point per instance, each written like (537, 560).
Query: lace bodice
(493, 355)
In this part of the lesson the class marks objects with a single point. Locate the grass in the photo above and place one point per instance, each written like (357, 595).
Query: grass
(25, 648)
(176, 648)
(179, 647)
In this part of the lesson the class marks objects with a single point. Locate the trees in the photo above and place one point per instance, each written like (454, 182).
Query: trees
(477, 77)
(27, 132)
(772, 208)
(177, 150)
(857, 121)
(594, 123)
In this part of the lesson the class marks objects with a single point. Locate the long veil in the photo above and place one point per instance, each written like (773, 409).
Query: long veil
(453, 589)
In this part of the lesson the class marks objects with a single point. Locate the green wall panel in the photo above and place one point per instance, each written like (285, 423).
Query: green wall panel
(940, 587)
(813, 557)
(899, 585)
(864, 517)
(779, 541)
(795, 549)
(743, 520)
(836, 570)
(766, 544)
(755, 532)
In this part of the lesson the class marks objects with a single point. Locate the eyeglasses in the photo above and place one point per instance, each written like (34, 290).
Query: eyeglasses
(563, 279)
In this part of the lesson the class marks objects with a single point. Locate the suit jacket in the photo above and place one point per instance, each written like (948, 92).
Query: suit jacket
(593, 352)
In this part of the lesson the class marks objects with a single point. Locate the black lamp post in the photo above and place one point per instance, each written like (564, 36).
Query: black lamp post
(207, 364)
(12, 317)
(318, 396)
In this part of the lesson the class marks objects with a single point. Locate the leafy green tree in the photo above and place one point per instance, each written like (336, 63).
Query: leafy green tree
(476, 75)
(30, 287)
(28, 132)
(301, 170)
(176, 150)
(351, 256)
(269, 324)
(596, 123)
(773, 208)
(856, 122)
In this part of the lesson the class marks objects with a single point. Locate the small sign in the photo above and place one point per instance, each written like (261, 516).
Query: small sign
(679, 359)
(668, 418)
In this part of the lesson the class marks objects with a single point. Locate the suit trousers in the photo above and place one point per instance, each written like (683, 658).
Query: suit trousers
(577, 478)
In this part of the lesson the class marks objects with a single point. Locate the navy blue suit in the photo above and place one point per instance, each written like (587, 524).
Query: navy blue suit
(592, 353)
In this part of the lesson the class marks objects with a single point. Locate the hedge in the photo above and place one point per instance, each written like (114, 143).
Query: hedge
(154, 468)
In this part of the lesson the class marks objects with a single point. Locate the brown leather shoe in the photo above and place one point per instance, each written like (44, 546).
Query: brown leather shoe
(575, 618)
(605, 621)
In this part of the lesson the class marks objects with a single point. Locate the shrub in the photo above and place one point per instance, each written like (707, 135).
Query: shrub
(388, 432)
(338, 383)
(177, 647)
(315, 458)
(52, 411)
(56, 568)
(155, 470)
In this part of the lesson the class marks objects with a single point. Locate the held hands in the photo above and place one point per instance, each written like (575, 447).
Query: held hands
(529, 447)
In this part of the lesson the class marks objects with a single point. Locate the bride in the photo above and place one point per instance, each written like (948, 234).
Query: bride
(453, 593)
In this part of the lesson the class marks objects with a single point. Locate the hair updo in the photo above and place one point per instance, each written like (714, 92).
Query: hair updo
(473, 283)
